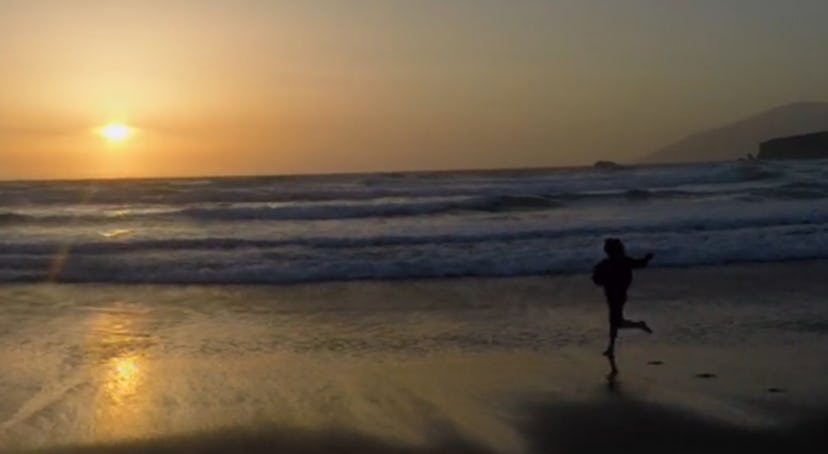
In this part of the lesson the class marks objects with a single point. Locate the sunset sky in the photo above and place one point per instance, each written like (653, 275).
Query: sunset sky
(274, 87)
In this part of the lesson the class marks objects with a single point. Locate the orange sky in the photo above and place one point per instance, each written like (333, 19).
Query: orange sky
(260, 87)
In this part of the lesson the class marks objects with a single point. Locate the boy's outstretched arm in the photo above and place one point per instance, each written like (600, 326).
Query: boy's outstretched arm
(641, 263)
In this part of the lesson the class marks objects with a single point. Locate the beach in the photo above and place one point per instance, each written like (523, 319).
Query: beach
(371, 227)
(738, 359)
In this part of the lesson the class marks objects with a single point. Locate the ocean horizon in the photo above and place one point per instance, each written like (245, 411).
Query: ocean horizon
(526, 169)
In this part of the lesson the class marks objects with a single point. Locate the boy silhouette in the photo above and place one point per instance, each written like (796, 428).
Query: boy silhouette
(614, 273)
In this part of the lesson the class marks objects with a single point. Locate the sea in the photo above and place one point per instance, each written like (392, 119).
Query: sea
(381, 226)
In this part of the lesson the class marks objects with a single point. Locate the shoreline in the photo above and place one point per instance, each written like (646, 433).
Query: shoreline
(737, 266)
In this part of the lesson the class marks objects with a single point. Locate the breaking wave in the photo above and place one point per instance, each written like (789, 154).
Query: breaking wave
(408, 225)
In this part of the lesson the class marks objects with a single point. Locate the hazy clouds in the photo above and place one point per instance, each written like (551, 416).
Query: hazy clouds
(320, 86)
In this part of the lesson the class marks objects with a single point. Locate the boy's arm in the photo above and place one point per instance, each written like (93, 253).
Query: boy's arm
(641, 263)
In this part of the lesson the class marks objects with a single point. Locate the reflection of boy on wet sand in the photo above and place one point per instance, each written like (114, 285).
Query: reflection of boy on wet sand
(614, 273)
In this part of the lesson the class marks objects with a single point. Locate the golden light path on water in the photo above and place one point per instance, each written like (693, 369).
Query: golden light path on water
(118, 347)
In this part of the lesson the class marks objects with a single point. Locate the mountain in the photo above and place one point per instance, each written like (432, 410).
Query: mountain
(738, 139)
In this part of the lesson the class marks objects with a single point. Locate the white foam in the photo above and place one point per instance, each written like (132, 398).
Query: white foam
(411, 225)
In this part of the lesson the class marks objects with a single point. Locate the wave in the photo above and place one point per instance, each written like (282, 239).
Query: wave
(225, 264)
(379, 186)
(372, 210)
(800, 190)
(331, 211)
(292, 212)
(805, 215)
(387, 208)
(397, 226)
(15, 218)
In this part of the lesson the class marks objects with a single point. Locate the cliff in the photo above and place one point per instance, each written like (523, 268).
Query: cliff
(806, 146)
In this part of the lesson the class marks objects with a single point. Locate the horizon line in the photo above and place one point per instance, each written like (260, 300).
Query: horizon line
(301, 174)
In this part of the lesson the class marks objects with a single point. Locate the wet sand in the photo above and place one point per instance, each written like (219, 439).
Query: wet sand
(738, 360)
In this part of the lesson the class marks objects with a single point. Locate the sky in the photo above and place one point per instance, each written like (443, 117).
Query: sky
(279, 87)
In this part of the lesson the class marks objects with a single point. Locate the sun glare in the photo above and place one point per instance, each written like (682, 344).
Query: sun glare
(115, 132)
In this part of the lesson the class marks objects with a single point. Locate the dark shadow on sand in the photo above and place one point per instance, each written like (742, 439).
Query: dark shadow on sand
(271, 440)
(620, 425)
(611, 423)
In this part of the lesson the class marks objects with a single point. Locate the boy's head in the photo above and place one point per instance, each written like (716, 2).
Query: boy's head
(614, 247)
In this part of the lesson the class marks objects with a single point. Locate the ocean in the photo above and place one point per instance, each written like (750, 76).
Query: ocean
(291, 229)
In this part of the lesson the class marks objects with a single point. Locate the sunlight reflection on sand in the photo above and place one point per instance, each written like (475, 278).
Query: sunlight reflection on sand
(123, 379)
(118, 345)
(408, 363)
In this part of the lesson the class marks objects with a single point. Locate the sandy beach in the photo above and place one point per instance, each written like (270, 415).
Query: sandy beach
(376, 227)
(459, 365)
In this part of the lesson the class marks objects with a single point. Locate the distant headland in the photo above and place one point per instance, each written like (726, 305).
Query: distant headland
(804, 146)
(778, 128)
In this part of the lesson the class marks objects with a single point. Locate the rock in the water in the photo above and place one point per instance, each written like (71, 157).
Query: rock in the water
(806, 146)
(607, 165)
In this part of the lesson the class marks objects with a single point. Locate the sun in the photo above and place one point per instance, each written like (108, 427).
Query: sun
(115, 132)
